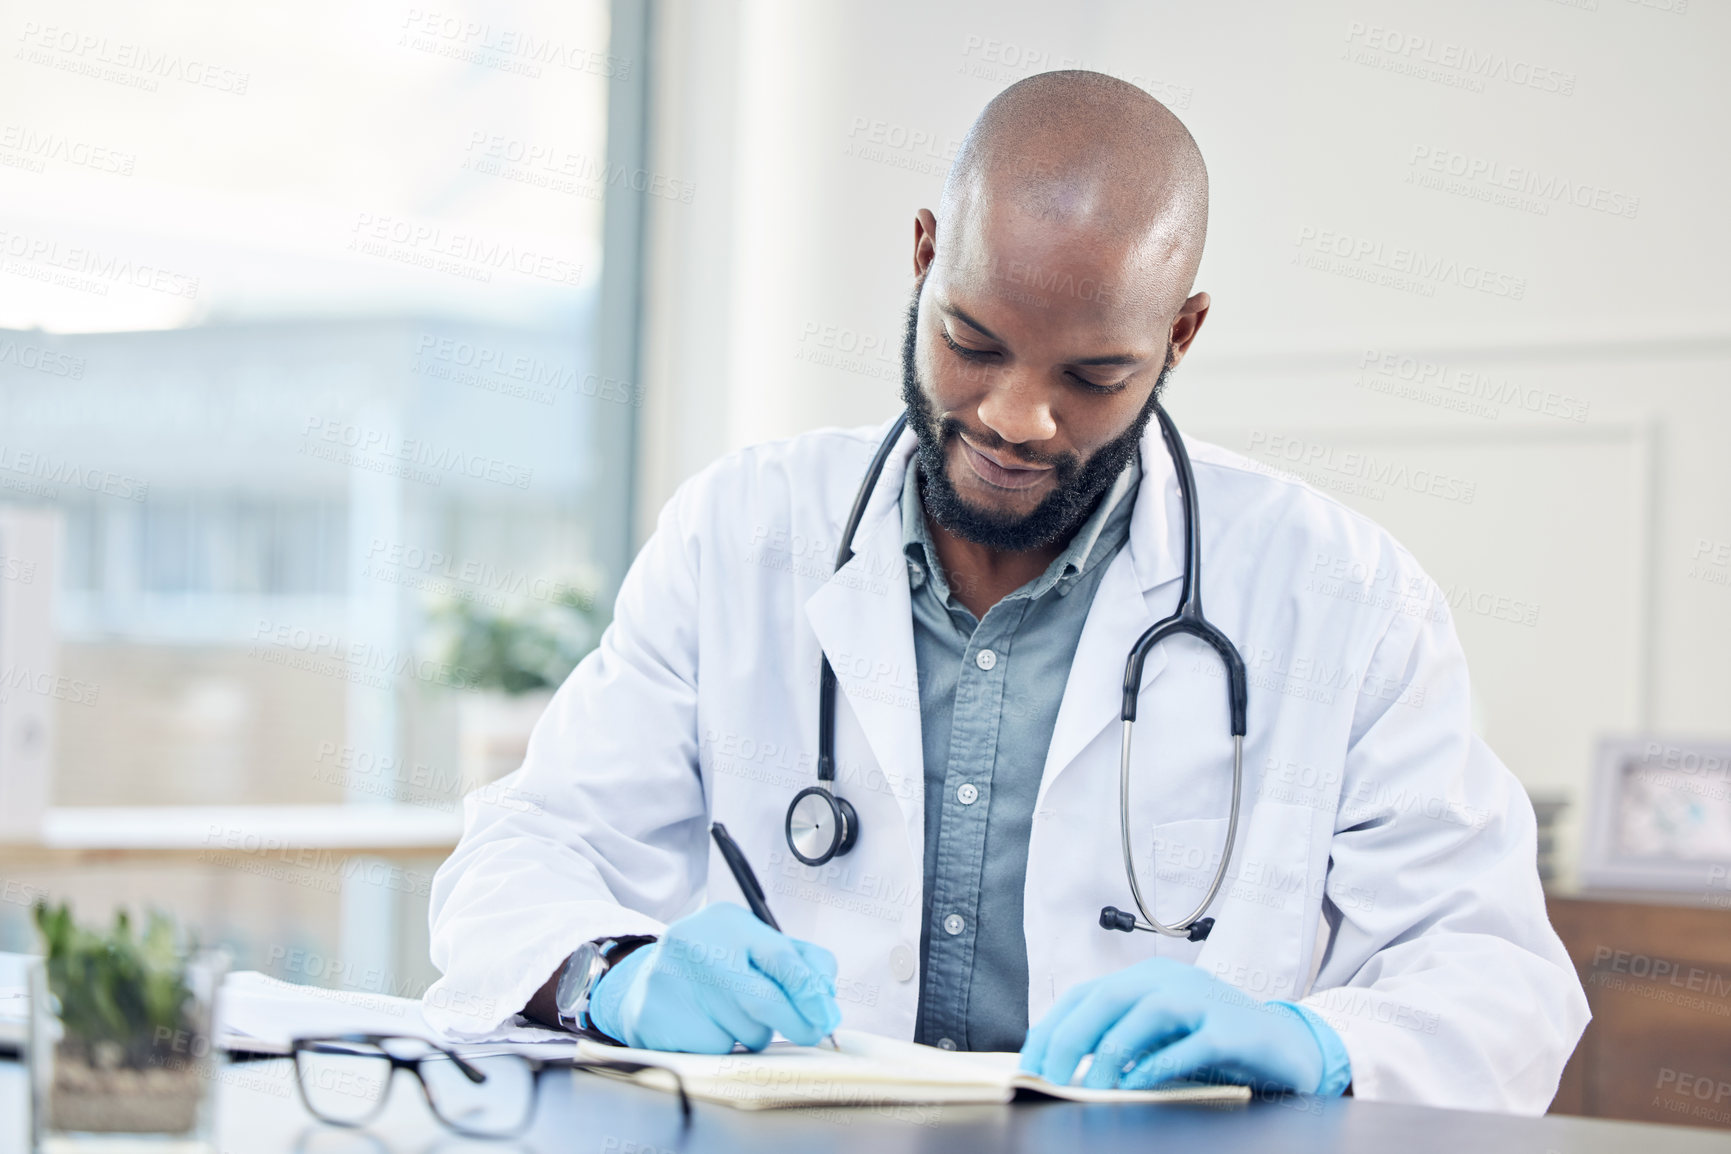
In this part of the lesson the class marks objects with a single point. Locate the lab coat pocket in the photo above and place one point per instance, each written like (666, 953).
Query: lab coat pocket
(1267, 910)
(1175, 868)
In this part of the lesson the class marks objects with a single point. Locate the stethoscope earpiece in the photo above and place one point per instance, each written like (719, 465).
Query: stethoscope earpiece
(1113, 918)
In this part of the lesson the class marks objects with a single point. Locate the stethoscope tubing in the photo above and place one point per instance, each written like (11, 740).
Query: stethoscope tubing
(844, 554)
(1187, 619)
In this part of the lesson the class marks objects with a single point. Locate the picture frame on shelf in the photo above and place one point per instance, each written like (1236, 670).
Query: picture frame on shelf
(1659, 817)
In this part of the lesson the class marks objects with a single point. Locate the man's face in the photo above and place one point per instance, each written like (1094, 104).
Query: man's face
(1031, 365)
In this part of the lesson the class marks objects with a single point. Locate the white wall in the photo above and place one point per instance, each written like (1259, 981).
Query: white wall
(1619, 311)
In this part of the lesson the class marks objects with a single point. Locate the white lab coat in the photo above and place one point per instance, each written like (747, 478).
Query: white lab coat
(1385, 866)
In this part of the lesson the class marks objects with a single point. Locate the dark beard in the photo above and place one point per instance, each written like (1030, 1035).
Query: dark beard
(1062, 511)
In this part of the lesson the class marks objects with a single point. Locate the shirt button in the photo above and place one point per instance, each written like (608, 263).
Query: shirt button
(946, 1043)
(953, 924)
(967, 794)
(985, 659)
(902, 963)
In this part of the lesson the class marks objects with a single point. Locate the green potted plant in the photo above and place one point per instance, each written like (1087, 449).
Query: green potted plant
(509, 662)
(120, 1029)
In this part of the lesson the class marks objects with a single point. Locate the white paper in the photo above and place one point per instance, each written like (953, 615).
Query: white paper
(260, 1013)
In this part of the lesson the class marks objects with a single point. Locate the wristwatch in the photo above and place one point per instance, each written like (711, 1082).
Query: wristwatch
(583, 969)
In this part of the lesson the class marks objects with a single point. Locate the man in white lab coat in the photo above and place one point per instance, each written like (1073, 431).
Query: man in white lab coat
(1381, 924)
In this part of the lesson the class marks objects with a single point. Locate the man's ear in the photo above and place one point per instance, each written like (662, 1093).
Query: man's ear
(1187, 324)
(925, 240)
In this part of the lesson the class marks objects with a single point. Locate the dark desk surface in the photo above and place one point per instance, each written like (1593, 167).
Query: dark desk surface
(259, 1114)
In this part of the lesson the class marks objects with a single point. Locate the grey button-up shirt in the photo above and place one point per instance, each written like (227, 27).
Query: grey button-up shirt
(989, 696)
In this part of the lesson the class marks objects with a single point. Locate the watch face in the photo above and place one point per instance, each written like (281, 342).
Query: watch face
(574, 981)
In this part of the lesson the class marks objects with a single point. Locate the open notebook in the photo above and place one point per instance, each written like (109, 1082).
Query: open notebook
(871, 1071)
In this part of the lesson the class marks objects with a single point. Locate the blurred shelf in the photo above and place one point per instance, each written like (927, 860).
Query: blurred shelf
(75, 835)
(1657, 976)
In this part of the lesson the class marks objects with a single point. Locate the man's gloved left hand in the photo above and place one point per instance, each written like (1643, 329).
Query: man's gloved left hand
(1163, 1019)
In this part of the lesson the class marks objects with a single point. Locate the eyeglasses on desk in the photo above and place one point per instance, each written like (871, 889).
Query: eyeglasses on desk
(344, 1080)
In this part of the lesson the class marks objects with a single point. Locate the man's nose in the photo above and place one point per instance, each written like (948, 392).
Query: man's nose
(1018, 412)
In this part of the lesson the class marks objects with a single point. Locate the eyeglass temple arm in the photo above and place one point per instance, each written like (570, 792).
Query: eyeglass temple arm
(469, 1071)
(636, 1068)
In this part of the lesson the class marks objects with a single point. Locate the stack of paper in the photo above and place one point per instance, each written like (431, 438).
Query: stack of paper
(259, 1014)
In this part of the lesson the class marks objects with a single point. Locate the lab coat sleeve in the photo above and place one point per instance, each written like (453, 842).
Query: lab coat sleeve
(602, 829)
(1442, 975)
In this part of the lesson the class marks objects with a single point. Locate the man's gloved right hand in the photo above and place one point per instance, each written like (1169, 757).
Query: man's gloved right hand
(718, 977)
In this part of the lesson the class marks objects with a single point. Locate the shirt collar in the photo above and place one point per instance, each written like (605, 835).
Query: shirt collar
(1105, 529)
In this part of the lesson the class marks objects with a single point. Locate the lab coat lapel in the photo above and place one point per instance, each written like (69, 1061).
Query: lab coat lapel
(1123, 609)
(863, 618)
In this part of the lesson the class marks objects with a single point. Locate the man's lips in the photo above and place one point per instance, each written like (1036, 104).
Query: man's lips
(1001, 476)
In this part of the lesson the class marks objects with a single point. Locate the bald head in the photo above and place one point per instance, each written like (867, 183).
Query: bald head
(1090, 155)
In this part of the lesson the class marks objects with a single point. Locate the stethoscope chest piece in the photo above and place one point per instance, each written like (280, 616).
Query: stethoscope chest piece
(820, 825)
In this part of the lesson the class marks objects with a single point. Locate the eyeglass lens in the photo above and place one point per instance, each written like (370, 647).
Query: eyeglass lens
(498, 1104)
(346, 1082)
(343, 1084)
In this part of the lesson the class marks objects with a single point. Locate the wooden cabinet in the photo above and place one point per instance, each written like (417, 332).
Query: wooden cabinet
(1658, 977)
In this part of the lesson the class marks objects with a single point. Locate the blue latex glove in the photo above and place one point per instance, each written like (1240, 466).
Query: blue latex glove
(1162, 1019)
(718, 977)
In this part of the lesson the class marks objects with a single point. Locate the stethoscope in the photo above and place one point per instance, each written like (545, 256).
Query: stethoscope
(821, 825)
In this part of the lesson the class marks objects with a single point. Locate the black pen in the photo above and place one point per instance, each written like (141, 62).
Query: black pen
(747, 879)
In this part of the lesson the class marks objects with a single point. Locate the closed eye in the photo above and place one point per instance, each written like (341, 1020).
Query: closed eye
(1088, 386)
(964, 351)
(1080, 382)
